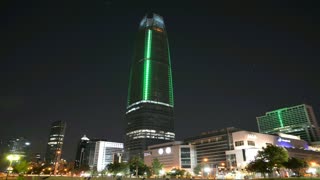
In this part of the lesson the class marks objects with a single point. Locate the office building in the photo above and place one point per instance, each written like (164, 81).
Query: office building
(211, 146)
(172, 155)
(149, 114)
(20, 146)
(55, 142)
(297, 120)
(81, 158)
(100, 153)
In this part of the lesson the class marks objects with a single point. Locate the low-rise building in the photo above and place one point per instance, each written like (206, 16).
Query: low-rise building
(247, 144)
(173, 155)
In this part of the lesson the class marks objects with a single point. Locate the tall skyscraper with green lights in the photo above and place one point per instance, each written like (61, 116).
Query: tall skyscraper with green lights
(149, 113)
(297, 120)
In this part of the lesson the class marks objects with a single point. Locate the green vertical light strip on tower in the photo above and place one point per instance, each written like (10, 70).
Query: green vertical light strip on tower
(280, 118)
(171, 101)
(147, 66)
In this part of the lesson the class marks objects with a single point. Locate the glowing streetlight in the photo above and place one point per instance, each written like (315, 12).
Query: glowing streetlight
(313, 163)
(11, 157)
(205, 159)
(162, 172)
(207, 169)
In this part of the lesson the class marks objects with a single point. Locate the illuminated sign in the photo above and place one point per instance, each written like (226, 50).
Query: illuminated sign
(160, 151)
(283, 140)
(168, 150)
(252, 136)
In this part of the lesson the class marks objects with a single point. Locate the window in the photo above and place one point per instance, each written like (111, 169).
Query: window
(251, 143)
(239, 143)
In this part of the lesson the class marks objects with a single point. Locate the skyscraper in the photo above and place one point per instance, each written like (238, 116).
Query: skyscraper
(81, 158)
(55, 142)
(149, 113)
(297, 120)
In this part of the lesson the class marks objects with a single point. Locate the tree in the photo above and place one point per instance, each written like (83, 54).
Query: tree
(197, 169)
(156, 166)
(21, 167)
(177, 172)
(116, 168)
(296, 165)
(270, 158)
(137, 166)
(83, 167)
(275, 156)
(258, 166)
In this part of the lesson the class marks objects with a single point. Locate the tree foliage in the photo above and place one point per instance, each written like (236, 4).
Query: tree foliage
(259, 166)
(115, 168)
(156, 166)
(269, 158)
(137, 167)
(21, 167)
(197, 169)
(296, 165)
(275, 156)
(175, 172)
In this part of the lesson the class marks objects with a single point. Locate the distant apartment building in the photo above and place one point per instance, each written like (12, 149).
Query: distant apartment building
(298, 120)
(172, 155)
(55, 142)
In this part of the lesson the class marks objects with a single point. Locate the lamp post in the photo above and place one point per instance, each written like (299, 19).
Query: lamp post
(11, 157)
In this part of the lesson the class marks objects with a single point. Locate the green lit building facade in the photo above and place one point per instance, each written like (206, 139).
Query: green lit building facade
(149, 114)
(297, 120)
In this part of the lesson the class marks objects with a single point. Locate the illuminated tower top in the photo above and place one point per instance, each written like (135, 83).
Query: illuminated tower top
(154, 21)
(151, 75)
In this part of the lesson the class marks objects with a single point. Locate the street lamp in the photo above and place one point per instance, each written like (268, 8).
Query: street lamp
(205, 168)
(11, 157)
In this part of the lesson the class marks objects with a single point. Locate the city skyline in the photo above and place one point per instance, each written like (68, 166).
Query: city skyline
(70, 61)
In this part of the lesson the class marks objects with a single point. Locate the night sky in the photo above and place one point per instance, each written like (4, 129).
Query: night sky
(232, 61)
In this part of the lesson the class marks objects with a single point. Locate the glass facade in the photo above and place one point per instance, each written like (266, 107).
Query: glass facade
(100, 153)
(150, 102)
(297, 120)
(55, 141)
